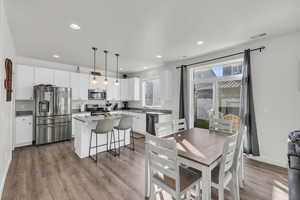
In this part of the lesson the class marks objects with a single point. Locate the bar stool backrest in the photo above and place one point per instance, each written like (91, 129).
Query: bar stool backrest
(125, 123)
(104, 126)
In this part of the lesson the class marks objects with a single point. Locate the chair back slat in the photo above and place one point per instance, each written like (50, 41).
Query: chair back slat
(228, 154)
(162, 154)
(163, 129)
(179, 125)
(222, 125)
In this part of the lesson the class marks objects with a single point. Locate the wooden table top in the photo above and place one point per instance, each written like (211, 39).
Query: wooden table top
(200, 145)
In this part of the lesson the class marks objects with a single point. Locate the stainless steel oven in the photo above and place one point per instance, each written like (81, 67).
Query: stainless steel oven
(95, 94)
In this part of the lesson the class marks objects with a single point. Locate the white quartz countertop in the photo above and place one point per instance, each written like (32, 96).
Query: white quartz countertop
(87, 119)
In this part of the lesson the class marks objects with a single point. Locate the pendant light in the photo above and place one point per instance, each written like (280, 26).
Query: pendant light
(117, 80)
(105, 64)
(94, 80)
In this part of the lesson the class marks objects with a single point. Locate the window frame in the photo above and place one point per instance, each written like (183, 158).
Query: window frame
(143, 92)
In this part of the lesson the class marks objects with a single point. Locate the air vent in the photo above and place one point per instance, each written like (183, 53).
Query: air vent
(258, 36)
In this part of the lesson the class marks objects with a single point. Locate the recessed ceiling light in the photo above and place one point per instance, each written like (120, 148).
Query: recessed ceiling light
(158, 56)
(74, 26)
(56, 56)
(121, 68)
(200, 42)
(145, 67)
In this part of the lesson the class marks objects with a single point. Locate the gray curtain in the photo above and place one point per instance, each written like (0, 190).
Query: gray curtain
(183, 96)
(247, 112)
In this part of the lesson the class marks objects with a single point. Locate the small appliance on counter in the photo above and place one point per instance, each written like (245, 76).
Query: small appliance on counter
(95, 109)
(125, 105)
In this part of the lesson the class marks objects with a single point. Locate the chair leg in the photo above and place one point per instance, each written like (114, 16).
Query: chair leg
(90, 143)
(235, 186)
(132, 138)
(107, 142)
(221, 192)
(97, 148)
(119, 143)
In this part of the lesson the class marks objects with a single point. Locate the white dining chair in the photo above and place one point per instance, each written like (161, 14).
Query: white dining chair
(165, 172)
(222, 125)
(163, 129)
(179, 125)
(223, 175)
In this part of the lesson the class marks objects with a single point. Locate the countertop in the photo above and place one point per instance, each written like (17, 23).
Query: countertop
(87, 119)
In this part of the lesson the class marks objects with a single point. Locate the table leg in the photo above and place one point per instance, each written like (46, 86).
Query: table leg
(147, 184)
(206, 187)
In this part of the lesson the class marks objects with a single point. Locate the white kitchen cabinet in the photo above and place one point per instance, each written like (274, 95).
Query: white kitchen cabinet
(23, 131)
(130, 89)
(84, 86)
(139, 123)
(112, 90)
(24, 82)
(61, 78)
(124, 89)
(75, 85)
(133, 89)
(84, 114)
(44, 76)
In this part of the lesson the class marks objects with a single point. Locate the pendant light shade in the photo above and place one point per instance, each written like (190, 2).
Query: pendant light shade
(94, 80)
(105, 64)
(117, 75)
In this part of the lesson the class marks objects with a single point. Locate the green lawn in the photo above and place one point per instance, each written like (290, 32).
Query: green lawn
(201, 123)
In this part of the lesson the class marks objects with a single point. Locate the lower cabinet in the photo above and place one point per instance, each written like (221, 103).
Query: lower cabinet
(73, 121)
(24, 131)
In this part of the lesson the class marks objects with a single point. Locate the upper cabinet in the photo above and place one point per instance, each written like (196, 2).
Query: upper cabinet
(75, 85)
(24, 82)
(130, 89)
(134, 89)
(112, 90)
(61, 78)
(44, 76)
(84, 86)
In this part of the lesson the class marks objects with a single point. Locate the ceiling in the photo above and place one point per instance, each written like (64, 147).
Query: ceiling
(142, 29)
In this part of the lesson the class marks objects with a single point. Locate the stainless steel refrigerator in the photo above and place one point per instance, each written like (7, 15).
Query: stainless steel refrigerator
(52, 114)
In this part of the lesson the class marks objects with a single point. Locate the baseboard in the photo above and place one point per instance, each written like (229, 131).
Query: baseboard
(4, 178)
(265, 159)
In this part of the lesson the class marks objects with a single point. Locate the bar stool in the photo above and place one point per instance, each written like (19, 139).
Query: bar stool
(104, 126)
(125, 125)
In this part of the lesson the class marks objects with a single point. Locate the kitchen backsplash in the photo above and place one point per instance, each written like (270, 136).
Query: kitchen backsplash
(27, 105)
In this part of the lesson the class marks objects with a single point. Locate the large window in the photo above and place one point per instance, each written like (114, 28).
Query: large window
(217, 89)
(151, 93)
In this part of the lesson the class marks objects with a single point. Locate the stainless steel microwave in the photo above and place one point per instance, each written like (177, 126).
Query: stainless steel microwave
(95, 94)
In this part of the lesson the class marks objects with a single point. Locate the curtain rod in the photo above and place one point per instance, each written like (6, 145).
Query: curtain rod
(213, 59)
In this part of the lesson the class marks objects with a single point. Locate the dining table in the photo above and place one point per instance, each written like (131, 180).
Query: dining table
(198, 148)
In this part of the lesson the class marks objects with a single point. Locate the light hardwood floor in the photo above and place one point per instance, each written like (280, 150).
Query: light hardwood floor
(54, 172)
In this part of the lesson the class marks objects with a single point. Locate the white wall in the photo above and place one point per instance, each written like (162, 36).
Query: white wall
(6, 108)
(276, 85)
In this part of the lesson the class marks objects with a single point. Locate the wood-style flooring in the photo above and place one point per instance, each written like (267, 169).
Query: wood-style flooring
(54, 172)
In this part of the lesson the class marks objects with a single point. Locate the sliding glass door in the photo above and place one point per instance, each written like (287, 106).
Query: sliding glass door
(216, 89)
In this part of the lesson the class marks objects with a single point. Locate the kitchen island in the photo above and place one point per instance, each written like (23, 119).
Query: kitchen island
(84, 125)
